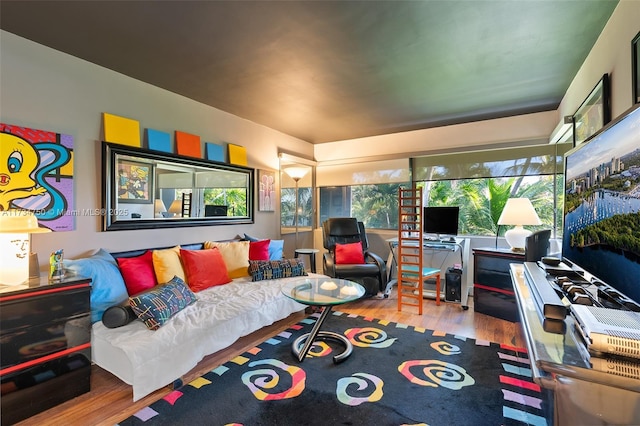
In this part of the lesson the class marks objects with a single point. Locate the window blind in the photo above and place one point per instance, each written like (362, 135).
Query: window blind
(505, 162)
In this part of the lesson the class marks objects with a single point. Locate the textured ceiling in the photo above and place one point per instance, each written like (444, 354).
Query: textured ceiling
(325, 71)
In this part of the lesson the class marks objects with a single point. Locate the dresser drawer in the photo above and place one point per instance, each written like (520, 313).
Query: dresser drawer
(25, 312)
(29, 343)
(44, 386)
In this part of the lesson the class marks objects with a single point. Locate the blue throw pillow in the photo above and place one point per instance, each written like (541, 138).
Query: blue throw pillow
(156, 307)
(107, 285)
(276, 247)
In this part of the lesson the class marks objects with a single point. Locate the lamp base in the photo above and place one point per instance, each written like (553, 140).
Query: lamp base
(516, 238)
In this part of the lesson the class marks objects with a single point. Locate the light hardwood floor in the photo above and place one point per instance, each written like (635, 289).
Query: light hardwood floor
(109, 400)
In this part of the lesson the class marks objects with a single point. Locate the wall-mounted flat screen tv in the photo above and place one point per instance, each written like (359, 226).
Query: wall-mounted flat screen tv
(441, 220)
(602, 205)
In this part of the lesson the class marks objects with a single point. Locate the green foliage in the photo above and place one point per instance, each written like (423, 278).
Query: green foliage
(481, 201)
(621, 232)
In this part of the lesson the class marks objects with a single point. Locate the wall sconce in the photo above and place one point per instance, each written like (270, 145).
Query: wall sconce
(296, 173)
(518, 212)
(159, 208)
(15, 245)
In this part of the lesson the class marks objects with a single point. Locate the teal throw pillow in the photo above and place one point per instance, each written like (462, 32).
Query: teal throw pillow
(107, 285)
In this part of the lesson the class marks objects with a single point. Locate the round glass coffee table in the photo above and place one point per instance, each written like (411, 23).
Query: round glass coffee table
(325, 292)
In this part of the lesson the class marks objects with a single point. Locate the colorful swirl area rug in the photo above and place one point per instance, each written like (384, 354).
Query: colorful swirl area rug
(396, 375)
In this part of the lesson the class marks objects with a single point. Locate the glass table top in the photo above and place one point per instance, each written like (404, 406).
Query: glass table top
(323, 291)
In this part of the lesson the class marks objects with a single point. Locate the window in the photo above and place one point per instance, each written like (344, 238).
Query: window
(479, 182)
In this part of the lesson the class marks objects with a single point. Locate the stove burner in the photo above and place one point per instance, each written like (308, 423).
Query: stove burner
(577, 290)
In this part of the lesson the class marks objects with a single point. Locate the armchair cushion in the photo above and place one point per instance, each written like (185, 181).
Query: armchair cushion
(350, 253)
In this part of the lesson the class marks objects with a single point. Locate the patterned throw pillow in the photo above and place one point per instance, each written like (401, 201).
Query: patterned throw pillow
(272, 269)
(157, 306)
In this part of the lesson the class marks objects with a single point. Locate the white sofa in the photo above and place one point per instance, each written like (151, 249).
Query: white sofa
(148, 360)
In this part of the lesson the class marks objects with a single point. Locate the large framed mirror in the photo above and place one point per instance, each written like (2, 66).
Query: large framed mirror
(149, 189)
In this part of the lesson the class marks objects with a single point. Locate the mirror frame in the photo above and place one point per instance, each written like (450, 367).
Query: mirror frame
(109, 221)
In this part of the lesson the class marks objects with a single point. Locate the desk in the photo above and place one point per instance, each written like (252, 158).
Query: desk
(460, 245)
(325, 292)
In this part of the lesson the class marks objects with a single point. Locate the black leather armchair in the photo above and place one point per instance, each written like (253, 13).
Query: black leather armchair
(372, 274)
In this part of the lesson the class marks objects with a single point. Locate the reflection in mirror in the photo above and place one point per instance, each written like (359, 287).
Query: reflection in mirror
(148, 189)
(296, 195)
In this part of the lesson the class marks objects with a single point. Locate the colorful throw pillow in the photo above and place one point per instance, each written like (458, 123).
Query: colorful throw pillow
(166, 263)
(138, 272)
(276, 247)
(155, 307)
(204, 268)
(259, 250)
(235, 255)
(350, 253)
(107, 285)
(272, 269)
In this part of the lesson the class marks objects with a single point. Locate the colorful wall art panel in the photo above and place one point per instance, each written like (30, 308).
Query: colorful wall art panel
(267, 191)
(188, 144)
(237, 155)
(124, 131)
(36, 174)
(214, 151)
(158, 141)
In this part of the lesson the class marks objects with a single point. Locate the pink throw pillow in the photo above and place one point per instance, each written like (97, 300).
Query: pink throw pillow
(259, 250)
(138, 273)
(349, 253)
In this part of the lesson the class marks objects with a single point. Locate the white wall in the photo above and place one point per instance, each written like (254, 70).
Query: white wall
(44, 89)
(610, 54)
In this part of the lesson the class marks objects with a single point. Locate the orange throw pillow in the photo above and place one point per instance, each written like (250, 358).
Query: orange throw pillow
(349, 253)
(204, 268)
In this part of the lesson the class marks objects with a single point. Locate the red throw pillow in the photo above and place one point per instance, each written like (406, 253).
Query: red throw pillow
(204, 268)
(349, 253)
(259, 250)
(138, 272)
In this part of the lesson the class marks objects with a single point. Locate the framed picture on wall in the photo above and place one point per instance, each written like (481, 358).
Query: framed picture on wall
(594, 112)
(635, 68)
(266, 190)
(134, 182)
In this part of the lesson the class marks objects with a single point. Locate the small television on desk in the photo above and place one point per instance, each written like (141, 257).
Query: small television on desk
(440, 221)
(602, 205)
(211, 210)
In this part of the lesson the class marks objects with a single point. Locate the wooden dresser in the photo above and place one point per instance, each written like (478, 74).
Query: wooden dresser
(45, 336)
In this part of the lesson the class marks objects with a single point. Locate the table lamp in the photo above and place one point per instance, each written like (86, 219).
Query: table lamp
(518, 212)
(159, 208)
(15, 244)
(176, 208)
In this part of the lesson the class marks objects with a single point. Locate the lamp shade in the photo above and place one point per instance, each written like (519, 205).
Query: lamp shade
(518, 212)
(15, 250)
(175, 207)
(296, 173)
(159, 207)
(16, 221)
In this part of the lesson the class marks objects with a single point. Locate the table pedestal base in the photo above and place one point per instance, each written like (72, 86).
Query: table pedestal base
(302, 344)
